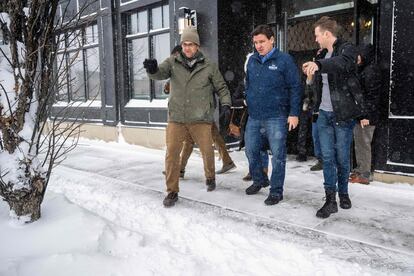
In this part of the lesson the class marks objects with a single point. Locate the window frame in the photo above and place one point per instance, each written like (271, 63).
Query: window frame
(82, 49)
(149, 51)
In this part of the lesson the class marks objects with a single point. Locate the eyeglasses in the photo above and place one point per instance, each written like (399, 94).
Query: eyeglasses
(184, 44)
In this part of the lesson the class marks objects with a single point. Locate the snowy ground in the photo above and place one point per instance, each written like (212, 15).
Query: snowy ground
(103, 215)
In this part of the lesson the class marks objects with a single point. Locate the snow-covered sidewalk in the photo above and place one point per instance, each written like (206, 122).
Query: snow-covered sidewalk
(103, 215)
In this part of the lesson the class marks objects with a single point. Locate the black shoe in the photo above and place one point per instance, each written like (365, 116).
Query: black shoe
(345, 201)
(301, 158)
(266, 183)
(211, 184)
(170, 199)
(317, 167)
(329, 207)
(273, 199)
(181, 173)
(226, 168)
(253, 189)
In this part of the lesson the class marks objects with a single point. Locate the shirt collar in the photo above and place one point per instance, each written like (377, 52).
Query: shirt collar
(267, 56)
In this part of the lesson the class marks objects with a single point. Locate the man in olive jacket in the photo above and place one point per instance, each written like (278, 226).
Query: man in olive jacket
(193, 80)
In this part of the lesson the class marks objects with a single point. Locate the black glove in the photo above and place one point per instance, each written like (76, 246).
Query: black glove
(151, 65)
(225, 116)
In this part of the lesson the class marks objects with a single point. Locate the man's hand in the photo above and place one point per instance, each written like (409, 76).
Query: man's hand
(309, 68)
(364, 122)
(151, 65)
(293, 122)
(225, 115)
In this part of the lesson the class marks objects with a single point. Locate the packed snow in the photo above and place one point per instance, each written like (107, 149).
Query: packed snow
(103, 215)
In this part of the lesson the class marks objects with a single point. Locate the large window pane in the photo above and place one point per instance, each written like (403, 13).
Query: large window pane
(156, 22)
(74, 39)
(93, 69)
(62, 85)
(77, 79)
(91, 35)
(133, 23)
(139, 82)
(165, 16)
(161, 49)
(138, 22)
(143, 22)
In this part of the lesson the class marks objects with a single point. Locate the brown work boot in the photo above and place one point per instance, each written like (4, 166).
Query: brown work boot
(359, 179)
(211, 184)
(170, 199)
(226, 168)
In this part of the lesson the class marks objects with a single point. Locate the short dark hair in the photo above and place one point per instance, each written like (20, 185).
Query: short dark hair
(326, 23)
(264, 30)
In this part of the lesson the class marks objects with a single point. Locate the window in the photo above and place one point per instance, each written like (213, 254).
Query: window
(3, 38)
(78, 65)
(147, 36)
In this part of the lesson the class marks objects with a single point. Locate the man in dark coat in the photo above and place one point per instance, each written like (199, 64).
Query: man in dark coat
(370, 78)
(339, 101)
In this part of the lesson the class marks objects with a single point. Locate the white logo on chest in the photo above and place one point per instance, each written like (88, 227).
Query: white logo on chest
(273, 67)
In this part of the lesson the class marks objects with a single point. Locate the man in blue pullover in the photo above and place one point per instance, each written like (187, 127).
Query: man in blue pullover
(273, 96)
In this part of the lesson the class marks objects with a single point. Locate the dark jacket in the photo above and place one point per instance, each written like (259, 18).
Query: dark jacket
(344, 86)
(370, 79)
(273, 88)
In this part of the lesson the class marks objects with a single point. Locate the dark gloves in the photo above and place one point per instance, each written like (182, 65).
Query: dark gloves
(151, 65)
(225, 115)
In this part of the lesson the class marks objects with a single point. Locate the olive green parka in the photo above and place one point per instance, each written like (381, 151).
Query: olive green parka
(191, 98)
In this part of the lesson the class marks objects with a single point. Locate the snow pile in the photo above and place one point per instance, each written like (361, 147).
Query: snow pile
(127, 232)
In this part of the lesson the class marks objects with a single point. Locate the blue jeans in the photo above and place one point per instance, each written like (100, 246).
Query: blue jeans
(316, 144)
(335, 139)
(273, 130)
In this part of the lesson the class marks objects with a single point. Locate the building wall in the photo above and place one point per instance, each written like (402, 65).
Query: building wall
(224, 27)
(394, 137)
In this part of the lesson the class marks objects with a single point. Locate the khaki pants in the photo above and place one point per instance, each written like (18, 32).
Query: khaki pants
(363, 139)
(217, 140)
(177, 133)
(221, 145)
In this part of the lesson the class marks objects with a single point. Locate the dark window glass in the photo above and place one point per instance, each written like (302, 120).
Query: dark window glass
(139, 82)
(156, 18)
(165, 16)
(160, 53)
(62, 85)
(139, 48)
(78, 65)
(93, 73)
(76, 74)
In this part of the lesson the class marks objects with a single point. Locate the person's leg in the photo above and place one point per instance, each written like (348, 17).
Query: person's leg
(302, 136)
(221, 145)
(175, 135)
(276, 133)
(363, 139)
(316, 144)
(201, 134)
(326, 133)
(253, 141)
(188, 146)
(343, 136)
